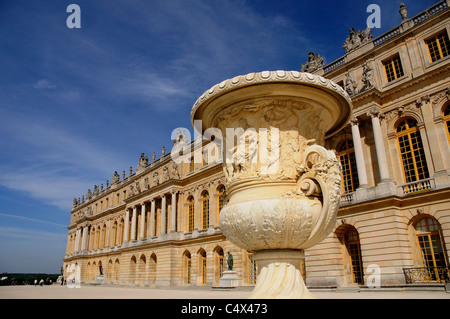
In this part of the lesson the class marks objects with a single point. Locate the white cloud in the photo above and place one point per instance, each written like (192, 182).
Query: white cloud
(32, 235)
(52, 164)
(31, 219)
(44, 84)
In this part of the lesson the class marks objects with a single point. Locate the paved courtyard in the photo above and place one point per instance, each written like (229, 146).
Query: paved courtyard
(118, 292)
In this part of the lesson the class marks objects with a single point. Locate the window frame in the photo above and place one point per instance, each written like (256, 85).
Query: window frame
(438, 45)
(412, 152)
(390, 61)
(353, 170)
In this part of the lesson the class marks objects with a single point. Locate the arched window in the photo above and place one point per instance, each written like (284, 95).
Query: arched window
(349, 173)
(152, 269)
(132, 271)
(446, 115)
(187, 267)
(354, 251)
(202, 254)
(116, 270)
(205, 210)
(428, 233)
(191, 214)
(412, 154)
(219, 254)
(221, 197)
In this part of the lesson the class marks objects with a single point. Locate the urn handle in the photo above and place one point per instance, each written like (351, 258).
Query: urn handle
(320, 177)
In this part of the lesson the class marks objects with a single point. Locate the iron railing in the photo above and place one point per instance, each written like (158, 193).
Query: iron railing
(426, 274)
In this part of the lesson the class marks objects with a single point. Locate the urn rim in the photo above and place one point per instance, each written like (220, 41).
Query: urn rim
(342, 100)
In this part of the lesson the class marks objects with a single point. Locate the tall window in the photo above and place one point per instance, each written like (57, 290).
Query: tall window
(205, 210)
(187, 267)
(438, 46)
(393, 68)
(354, 251)
(430, 245)
(221, 196)
(203, 265)
(349, 174)
(219, 264)
(191, 214)
(446, 116)
(411, 151)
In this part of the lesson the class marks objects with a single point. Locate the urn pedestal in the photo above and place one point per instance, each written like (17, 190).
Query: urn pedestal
(283, 186)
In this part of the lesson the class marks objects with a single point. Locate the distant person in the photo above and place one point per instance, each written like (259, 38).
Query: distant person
(35, 282)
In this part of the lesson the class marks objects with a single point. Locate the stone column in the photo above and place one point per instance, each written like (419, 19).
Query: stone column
(359, 155)
(84, 239)
(437, 146)
(379, 146)
(142, 230)
(108, 233)
(173, 218)
(115, 243)
(163, 214)
(133, 224)
(77, 244)
(152, 218)
(125, 227)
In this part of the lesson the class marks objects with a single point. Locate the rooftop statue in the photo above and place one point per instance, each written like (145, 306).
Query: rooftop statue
(357, 39)
(315, 62)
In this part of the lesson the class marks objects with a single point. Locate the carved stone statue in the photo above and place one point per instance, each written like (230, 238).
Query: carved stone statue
(143, 162)
(175, 172)
(155, 178)
(315, 62)
(181, 139)
(166, 175)
(357, 39)
(403, 11)
(138, 187)
(350, 85)
(131, 191)
(96, 191)
(89, 194)
(75, 203)
(230, 261)
(368, 78)
(115, 178)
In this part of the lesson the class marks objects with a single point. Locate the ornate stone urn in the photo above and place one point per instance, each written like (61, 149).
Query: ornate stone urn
(283, 186)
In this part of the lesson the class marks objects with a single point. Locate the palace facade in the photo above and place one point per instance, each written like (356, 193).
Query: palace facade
(159, 225)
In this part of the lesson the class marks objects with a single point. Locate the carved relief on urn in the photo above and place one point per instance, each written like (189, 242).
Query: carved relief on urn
(283, 186)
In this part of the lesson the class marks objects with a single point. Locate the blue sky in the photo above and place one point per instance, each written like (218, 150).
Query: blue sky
(78, 104)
